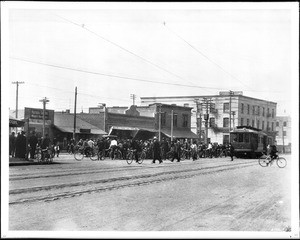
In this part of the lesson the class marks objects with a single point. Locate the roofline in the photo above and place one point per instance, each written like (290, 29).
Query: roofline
(203, 96)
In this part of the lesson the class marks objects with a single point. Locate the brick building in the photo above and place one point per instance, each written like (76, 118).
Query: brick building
(245, 111)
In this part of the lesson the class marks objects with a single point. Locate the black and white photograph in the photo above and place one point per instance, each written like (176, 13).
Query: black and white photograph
(149, 120)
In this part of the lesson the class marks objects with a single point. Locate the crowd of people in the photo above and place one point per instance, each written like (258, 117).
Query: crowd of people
(154, 149)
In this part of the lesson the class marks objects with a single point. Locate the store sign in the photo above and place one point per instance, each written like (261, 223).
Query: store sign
(83, 130)
(38, 114)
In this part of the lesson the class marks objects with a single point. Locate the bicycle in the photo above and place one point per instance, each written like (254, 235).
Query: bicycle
(45, 155)
(265, 160)
(91, 153)
(131, 156)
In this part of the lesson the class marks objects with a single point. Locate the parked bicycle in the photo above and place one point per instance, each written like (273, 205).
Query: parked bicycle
(266, 160)
(80, 153)
(44, 155)
(131, 156)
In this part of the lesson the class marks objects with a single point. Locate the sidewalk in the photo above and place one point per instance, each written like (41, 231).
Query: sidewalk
(20, 161)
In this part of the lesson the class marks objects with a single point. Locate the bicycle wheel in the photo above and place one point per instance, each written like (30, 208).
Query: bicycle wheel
(141, 157)
(281, 162)
(129, 158)
(101, 156)
(93, 155)
(263, 161)
(78, 155)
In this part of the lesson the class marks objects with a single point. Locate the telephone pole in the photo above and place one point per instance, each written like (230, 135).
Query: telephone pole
(17, 94)
(198, 118)
(75, 105)
(207, 104)
(133, 96)
(44, 101)
(230, 94)
(172, 114)
(159, 122)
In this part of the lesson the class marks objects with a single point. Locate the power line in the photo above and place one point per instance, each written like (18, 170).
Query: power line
(202, 54)
(113, 76)
(119, 46)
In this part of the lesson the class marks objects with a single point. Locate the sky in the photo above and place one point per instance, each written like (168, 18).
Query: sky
(111, 51)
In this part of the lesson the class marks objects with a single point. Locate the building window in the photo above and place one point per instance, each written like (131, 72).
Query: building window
(284, 133)
(258, 110)
(185, 120)
(284, 124)
(272, 113)
(272, 126)
(226, 107)
(257, 124)
(277, 124)
(248, 109)
(225, 122)
(163, 119)
(263, 111)
(263, 125)
(268, 127)
(212, 122)
(242, 108)
(242, 121)
(248, 122)
(268, 113)
(253, 110)
(252, 123)
(175, 120)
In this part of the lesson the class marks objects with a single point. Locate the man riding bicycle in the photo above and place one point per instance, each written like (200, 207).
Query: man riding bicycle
(272, 151)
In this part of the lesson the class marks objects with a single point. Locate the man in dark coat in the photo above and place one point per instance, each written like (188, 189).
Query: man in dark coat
(12, 144)
(177, 150)
(231, 151)
(33, 140)
(21, 145)
(156, 151)
(135, 145)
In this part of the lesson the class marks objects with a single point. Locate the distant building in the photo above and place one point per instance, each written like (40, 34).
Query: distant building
(245, 111)
(284, 133)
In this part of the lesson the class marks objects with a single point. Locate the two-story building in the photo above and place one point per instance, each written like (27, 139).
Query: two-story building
(213, 116)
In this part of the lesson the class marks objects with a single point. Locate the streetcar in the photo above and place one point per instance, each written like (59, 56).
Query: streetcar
(249, 142)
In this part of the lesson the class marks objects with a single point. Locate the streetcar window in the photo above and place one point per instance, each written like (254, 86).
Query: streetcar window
(233, 137)
(247, 138)
(241, 137)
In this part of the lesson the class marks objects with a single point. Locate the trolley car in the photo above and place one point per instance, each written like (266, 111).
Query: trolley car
(249, 142)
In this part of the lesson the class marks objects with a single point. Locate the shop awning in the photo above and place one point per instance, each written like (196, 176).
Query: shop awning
(13, 122)
(180, 133)
(83, 131)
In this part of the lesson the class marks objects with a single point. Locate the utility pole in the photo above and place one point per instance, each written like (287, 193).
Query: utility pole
(74, 127)
(207, 103)
(172, 114)
(230, 94)
(283, 148)
(159, 122)
(198, 118)
(17, 95)
(133, 96)
(44, 101)
(233, 114)
(104, 115)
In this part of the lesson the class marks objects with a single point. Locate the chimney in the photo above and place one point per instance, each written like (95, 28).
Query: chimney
(68, 111)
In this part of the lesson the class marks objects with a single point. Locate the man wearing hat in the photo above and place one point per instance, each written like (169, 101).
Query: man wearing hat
(32, 143)
(156, 150)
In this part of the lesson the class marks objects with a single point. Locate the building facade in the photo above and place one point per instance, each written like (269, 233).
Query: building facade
(211, 119)
(284, 134)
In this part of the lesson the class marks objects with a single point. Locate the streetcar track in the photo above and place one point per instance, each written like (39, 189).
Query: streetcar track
(138, 181)
(79, 172)
(106, 180)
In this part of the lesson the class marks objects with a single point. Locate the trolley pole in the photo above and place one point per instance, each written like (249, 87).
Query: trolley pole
(17, 95)
(159, 123)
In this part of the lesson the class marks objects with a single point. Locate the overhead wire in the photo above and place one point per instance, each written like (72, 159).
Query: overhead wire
(124, 49)
(112, 75)
(206, 57)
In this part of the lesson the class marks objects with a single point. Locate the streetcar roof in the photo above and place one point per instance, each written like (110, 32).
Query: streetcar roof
(243, 130)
